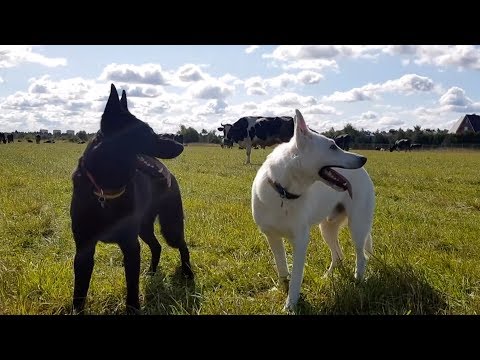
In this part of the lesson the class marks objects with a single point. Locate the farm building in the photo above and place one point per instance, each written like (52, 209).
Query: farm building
(57, 132)
(70, 132)
(469, 122)
(43, 131)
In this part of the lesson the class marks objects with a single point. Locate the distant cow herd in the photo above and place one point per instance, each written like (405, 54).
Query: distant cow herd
(8, 138)
(262, 131)
(405, 145)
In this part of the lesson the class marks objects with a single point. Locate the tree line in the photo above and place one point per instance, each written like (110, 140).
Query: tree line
(417, 135)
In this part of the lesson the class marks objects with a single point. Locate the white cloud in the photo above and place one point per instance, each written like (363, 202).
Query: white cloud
(212, 89)
(455, 100)
(256, 91)
(251, 49)
(282, 80)
(216, 106)
(279, 105)
(230, 79)
(369, 115)
(319, 57)
(190, 72)
(458, 56)
(390, 121)
(407, 84)
(14, 55)
(142, 90)
(309, 77)
(255, 81)
(349, 96)
(325, 56)
(137, 74)
(257, 85)
(433, 118)
(455, 96)
(319, 109)
(292, 100)
(319, 64)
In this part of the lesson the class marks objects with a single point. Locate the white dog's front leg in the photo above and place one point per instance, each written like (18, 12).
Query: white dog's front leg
(278, 250)
(300, 243)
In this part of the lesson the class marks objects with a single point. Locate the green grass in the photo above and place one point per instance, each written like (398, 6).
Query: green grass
(426, 240)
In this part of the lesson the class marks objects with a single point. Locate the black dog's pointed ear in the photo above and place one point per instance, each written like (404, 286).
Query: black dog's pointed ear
(123, 101)
(113, 104)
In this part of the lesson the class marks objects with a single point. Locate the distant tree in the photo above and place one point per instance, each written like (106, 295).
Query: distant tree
(212, 138)
(190, 135)
(350, 130)
(82, 135)
(330, 133)
(380, 137)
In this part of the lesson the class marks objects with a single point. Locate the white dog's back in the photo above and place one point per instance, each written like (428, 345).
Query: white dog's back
(289, 196)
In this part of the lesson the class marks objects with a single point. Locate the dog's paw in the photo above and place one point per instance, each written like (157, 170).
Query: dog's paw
(131, 310)
(187, 272)
(289, 308)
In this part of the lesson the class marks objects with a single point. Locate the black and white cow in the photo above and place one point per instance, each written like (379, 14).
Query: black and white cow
(402, 144)
(250, 131)
(10, 138)
(3, 138)
(37, 139)
(415, 146)
(343, 141)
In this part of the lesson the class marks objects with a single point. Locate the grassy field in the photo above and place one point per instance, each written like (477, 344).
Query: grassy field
(426, 237)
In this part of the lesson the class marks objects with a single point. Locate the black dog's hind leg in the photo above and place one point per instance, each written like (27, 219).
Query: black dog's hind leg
(147, 234)
(131, 257)
(172, 229)
(83, 267)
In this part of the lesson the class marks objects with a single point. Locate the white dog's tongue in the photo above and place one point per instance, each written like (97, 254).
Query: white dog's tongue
(335, 180)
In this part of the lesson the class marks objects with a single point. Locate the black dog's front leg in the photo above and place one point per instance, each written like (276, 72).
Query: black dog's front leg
(83, 267)
(131, 256)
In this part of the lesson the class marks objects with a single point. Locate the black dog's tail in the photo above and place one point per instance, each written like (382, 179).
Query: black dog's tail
(170, 216)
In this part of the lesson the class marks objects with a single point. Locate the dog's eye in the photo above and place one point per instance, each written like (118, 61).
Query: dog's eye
(333, 147)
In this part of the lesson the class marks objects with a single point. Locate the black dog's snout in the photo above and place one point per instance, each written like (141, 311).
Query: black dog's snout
(363, 159)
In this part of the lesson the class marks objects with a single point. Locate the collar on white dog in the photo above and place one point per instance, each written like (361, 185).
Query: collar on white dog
(284, 194)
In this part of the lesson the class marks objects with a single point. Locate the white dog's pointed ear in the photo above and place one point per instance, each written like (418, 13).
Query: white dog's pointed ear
(301, 129)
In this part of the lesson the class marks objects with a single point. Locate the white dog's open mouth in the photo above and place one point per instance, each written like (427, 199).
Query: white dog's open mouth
(335, 180)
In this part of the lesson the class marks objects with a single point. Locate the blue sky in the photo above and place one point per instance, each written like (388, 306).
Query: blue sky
(370, 86)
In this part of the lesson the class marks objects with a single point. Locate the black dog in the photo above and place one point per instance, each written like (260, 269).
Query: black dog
(118, 193)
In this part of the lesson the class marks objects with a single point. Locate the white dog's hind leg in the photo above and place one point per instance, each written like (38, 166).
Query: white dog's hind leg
(330, 229)
(278, 250)
(369, 245)
(360, 229)
(300, 243)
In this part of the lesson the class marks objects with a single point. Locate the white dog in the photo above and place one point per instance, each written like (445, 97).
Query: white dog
(297, 187)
